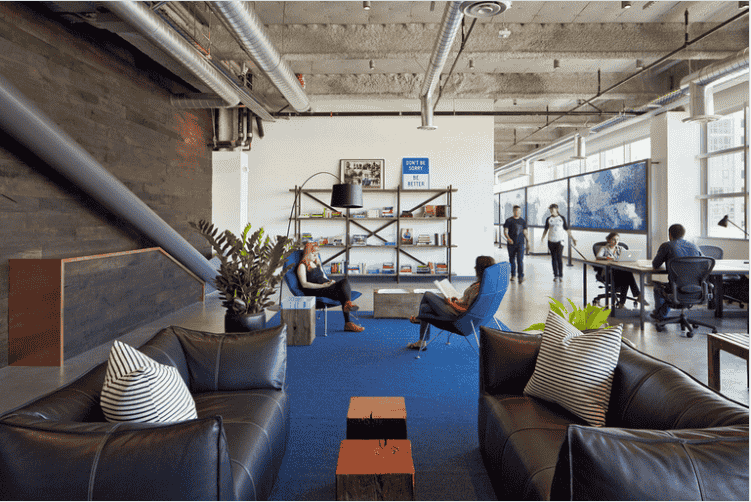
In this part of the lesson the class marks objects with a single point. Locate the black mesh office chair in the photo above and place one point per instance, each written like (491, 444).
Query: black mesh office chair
(735, 287)
(600, 274)
(689, 286)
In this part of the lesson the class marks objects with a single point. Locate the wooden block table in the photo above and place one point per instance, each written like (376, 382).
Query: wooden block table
(398, 303)
(372, 469)
(734, 343)
(299, 314)
(377, 418)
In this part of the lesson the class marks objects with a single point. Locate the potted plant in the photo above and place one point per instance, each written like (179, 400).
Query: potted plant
(587, 318)
(250, 271)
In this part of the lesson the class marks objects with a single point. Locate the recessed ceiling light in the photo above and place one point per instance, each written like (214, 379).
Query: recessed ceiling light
(556, 64)
(372, 65)
(471, 64)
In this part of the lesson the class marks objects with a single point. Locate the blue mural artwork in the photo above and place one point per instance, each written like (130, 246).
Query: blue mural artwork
(508, 201)
(612, 199)
(539, 198)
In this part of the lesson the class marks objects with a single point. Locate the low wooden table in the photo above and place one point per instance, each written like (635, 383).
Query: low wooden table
(734, 343)
(372, 469)
(377, 418)
(397, 303)
(299, 314)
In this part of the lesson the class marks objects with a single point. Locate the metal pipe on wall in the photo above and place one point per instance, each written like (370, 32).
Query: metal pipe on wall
(31, 127)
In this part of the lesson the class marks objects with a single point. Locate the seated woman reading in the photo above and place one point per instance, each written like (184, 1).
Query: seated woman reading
(622, 279)
(314, 282)
(437, 308)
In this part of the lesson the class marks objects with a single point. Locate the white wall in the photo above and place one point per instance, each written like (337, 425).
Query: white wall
(460, 153)
(229, 191)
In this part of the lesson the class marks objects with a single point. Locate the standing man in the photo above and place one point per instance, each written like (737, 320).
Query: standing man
(676, 247)
(558, 228)
(515, 231)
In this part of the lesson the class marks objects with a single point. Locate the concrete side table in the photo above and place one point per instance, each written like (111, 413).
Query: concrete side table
(299, 314)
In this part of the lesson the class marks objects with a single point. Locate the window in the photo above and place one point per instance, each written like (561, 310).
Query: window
(640, 150)
(724, 164)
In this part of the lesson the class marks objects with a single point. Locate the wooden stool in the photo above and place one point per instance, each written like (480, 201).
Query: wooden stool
(396, 303)
(372, 469)
(734, 343)
(299, 314)
(377, 418)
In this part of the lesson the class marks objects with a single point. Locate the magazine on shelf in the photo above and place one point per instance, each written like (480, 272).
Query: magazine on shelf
(447, 289)
(407, 237)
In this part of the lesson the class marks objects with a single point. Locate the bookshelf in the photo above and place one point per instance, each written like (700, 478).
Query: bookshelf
(358, 222)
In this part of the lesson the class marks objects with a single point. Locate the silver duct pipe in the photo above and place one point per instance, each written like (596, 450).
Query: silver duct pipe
(249, 30)
(22, 120)
(450, 25)
(201, 101)
(154, 29)
(698, 84)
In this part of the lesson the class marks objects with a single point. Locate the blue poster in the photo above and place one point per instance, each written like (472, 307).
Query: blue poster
(415, 173)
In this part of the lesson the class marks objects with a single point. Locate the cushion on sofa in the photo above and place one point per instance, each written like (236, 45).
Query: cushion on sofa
(139, 389)
(575, 369)
(633, 464)
(235, 361)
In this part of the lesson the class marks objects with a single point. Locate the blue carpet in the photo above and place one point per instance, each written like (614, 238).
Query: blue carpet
(440, 392)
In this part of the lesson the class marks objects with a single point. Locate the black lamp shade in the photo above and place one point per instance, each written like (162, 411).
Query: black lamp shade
(724, 222)
(346, 195)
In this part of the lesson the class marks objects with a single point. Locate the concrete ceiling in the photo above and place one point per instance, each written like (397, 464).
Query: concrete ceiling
(596, 44)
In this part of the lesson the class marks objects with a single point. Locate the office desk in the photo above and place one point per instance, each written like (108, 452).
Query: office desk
(720, 267)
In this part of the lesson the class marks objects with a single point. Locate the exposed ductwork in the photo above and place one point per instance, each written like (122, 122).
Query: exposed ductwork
(22, 120)
(250, 32)
(699, 84)
(450, 25)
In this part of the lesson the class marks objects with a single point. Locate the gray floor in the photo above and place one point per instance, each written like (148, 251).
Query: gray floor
(523, 305)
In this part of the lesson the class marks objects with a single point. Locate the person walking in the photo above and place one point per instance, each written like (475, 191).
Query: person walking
(556, 229)
(516, 233)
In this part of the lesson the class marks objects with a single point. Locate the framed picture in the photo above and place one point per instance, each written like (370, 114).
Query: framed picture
(366, 172)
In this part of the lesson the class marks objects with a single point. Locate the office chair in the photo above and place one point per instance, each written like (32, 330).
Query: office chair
(687, 277)
(733, 284)
(293, 283)
(600, 275)
(493, 287)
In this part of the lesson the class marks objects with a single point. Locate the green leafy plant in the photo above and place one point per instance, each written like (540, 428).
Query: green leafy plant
(251, 267)
(589, 317)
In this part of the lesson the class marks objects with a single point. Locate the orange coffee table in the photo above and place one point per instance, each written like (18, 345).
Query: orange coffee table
(377, 418)
(372, 469)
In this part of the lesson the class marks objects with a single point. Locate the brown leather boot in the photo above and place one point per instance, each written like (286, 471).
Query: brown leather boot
(350, 326)
(350, 307)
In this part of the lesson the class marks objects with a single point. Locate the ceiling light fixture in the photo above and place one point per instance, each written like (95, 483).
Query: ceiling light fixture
(366, 5)
(743, 5)
(556, 64)
(625, 5)
(639, 64)
(514, 102)
(483, 8)
(372, 65)
(471, 64)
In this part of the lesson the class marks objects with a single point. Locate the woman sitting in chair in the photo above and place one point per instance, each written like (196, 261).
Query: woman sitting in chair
(622, 279)
(314, 282)
(437, 308)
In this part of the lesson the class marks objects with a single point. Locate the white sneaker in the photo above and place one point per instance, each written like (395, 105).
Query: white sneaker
(512, 279)
(521, 280)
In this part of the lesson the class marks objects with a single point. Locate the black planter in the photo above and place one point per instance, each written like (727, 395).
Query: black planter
(235, 323)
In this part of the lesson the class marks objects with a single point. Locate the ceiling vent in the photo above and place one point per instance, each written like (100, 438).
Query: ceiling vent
(485, 8)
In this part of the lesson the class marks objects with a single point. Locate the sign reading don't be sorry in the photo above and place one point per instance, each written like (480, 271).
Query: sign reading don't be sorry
(415, 173)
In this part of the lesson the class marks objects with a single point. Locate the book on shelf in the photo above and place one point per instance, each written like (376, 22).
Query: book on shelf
(442, 211)
(443, 239)
(336, 214)
(431, 267)
(428, 211)
(437, 240)
(356, 268)
(405, 269)
(441, 268)
(387, 212)
(423, 240)
(422, 269)
(359, 240)
(374, 213)
(373, 270)
(447, 289)
(321, 214)
(359, 214)
(406, 236)
(406, 214)
(336, 267)
(306, 237)
(388, 267)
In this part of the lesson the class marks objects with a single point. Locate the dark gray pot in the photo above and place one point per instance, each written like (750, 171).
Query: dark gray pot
(236, 323)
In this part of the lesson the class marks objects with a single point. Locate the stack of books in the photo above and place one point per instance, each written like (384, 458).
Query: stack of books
(423, 269)
(388, 267)
(373, 270)
(405, 269)
(441, 268)
(374, 213)
(387, 212)
(442, 211)
(306, 237)
(356, 268)
(337, 240)
(359, 239)
(423, 240)
(321, 214)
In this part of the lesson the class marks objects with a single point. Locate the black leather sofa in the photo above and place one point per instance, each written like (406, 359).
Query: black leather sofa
(667, 436)
(60, 446)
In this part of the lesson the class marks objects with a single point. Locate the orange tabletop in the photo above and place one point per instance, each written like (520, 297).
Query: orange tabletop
(372, 456)
(380, 407)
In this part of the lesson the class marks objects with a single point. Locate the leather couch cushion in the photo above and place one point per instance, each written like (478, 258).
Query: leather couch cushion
(235, 361)
(629, 464)
(139, 389)
(50, 460)
(575, 369)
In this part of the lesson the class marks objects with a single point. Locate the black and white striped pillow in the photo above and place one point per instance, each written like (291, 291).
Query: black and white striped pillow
(575, 369)
(139, 389)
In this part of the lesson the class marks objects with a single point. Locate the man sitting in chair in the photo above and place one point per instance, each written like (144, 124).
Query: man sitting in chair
(676, 247)
(437, 308)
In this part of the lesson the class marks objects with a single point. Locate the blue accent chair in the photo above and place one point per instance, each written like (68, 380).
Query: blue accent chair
(293, 283)
(482, 311)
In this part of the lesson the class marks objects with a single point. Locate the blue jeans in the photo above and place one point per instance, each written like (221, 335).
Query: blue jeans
(516, 258)
(661, 289)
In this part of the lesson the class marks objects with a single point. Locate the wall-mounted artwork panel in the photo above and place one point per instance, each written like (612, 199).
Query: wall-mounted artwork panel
(539, 197)
(510, 199)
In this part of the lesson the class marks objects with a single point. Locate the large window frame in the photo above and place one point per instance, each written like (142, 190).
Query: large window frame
(708, 195)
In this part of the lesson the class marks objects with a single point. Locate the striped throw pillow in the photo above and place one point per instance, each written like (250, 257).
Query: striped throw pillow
(575, 369)
(139, 389)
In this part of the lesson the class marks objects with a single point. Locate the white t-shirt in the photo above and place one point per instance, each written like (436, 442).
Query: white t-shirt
(556, 227)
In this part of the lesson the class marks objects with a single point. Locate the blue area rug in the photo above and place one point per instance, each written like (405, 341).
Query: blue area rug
(440, 392)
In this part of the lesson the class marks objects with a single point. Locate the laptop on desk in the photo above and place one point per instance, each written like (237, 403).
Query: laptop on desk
(629, 255)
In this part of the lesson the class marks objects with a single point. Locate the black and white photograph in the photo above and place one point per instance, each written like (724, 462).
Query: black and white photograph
(366, 172)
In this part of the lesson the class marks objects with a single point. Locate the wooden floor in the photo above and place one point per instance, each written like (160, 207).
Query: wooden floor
(523, 305)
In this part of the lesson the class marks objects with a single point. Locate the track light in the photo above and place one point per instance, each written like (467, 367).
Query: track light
(366, 5)
(556, 64)
(625, 5)
(639, 64)
(471, 64)
(743, 5)
(372, 65)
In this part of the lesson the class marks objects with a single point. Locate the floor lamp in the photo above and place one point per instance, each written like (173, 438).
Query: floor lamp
(724, 223)
(343, 195)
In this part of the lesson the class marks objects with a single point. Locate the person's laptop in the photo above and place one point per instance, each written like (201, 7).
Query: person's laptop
(630, 255)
